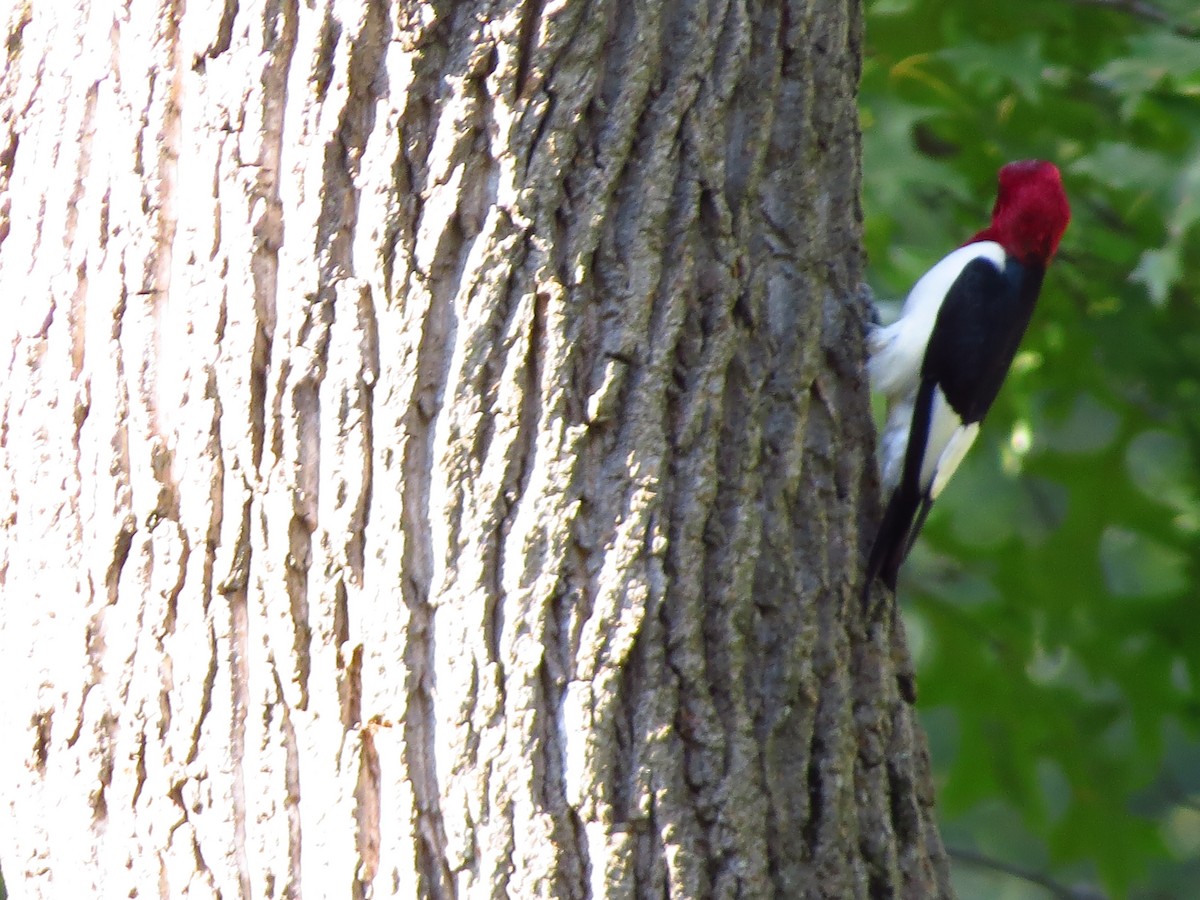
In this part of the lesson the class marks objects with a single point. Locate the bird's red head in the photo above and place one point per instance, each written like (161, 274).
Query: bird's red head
(1031, 211)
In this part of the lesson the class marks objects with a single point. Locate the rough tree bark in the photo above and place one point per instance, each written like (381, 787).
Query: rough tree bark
(436, 456)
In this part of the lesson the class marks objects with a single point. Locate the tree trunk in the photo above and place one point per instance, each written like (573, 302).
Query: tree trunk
(438, 457)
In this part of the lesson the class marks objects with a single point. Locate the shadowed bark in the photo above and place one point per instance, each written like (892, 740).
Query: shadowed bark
(436, 456)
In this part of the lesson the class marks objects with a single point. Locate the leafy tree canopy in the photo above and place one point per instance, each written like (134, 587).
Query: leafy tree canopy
(1052, 604)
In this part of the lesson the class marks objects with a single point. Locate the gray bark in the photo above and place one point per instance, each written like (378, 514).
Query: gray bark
(436, 457)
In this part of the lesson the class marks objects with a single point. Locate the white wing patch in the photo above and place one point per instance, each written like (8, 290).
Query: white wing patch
(956, 448)
(949, 440)
(944, 426)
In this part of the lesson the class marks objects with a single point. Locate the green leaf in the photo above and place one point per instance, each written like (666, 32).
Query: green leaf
(1137, 567)
(1125, 167)
(1159, 465)
(1155, 59)
(1087, 427)
(1159, 271)
(995, 67)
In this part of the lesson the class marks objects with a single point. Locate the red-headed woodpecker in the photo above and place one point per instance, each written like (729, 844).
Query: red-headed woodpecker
(940, 365)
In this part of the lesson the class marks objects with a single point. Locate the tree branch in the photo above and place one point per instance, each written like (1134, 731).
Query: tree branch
(1056, 889)
(1149, 12)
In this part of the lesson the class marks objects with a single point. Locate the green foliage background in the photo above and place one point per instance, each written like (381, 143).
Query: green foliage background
(1053, 604)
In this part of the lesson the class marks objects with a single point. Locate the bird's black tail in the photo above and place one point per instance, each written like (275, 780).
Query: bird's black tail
(909, 505)
(895, 537)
